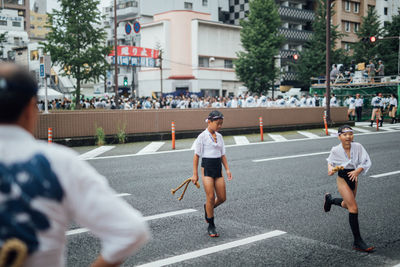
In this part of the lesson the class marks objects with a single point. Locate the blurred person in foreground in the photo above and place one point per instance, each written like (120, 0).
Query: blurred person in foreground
(43, 188)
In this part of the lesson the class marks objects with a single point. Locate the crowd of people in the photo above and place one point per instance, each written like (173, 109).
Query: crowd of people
(193, 102)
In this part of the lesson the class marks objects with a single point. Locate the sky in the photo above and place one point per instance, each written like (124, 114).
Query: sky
(52, 4)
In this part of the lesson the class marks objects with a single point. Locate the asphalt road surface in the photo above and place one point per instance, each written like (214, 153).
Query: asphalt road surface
(273, 215)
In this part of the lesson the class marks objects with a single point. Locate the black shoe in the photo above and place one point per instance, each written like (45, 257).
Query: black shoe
(361, 246)
(212, 231)
(327, 202)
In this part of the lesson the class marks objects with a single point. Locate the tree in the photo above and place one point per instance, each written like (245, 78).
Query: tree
(3, 39)
(77, 42)
(261, 41)
(366, 50)
(312, 60)
(389, 48)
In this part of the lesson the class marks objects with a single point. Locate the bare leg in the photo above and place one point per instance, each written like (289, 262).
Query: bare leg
(220, 191)
(209, 187)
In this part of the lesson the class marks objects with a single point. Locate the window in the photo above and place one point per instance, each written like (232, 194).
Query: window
(347, 46)
(347, 6)
(3, 22)
(385, 11)
(39, 18)
(16, 24)
(242, 7)
(356, 7)
(203, 62)
(205, 2)
(188, 5)
(356, 27)
(228, 64)
(347, 26)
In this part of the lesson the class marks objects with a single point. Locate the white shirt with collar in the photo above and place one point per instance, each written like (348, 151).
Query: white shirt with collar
(53, 187)
(206, 147)
(358, 157)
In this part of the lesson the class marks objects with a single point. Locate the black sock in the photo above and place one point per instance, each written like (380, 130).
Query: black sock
(372, 122)
(211, 221)
(353, 220)
(337, 201)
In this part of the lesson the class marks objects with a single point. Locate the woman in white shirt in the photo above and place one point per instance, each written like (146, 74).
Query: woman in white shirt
(349, 159)
(209, 145)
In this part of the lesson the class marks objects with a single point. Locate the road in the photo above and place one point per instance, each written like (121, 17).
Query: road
(273, 215)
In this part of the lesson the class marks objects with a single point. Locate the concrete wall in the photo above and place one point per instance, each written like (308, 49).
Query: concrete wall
(83, 124)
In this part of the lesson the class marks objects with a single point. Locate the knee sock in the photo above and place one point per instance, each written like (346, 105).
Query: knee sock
(353, 220)
(211, 221)
(337, 201)
(380, 122)
(372, 122)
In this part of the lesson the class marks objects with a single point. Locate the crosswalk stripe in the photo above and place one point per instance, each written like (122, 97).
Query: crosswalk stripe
(277, 137)
(241, 140)
(193, 145)
(213, 249)
(361, 130)
(151, 148)
(95, 152)
(385, 174)
(308, 134)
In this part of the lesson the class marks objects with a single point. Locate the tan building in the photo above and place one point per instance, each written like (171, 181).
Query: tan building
(38, 26)
(22, 6)
(348, 15)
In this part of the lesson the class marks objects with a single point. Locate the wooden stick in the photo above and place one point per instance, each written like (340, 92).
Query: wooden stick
(184, 190)
(179, 187)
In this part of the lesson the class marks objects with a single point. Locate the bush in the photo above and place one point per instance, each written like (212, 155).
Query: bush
(121, 134)
(100, 136)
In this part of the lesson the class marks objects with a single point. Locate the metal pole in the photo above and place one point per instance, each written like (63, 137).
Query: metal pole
(46, 101)
(398, 60)
(116, 55)
(161, 77)
(328, 59)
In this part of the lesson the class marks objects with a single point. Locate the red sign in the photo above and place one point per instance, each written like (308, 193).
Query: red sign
(134, 51)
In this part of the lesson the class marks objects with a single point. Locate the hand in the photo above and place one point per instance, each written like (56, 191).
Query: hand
(195, 178)
(353, 175)
(229, 174)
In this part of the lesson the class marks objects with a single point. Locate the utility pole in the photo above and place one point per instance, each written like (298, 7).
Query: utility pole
(328, 61)
(116, 55)
(161, 77)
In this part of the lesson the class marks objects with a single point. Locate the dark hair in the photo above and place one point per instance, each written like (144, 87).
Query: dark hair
(17, 87)
(215, 115)
(343, 127)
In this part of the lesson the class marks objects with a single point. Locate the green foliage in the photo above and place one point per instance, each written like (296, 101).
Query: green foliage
(365, 50)
(121, 134)
(312, 59)
(261, 41)
(389, 48)
(100, 136)
(76, 41)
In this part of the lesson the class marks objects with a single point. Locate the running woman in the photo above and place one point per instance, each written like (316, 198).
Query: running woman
(209, 145)
(393, 107)
(355, 161)
(376, 104)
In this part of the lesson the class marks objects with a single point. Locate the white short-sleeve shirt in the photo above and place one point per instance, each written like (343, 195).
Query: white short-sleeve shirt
(206, 147)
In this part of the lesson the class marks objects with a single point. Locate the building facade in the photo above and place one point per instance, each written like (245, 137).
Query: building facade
(145, 12)
(386, 10)
(16, 37)
(296, 17)
(38, 21)
(348, 16)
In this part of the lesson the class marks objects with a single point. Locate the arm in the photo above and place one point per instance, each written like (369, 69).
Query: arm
(225, 163)
(330, 170)
(100, 262)
(195, 176)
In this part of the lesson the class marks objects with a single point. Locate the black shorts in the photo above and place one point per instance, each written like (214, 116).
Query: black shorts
(212, 167)
(344, 174)
(391, 107)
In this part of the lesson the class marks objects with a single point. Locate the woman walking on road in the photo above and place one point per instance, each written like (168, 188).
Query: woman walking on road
(350, 159)
(209, 145)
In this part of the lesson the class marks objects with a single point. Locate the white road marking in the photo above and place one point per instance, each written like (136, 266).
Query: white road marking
(332, 131)
(397, 265)
(123, 195)
(148, 218)
(386, 128)
(151, 148)
(292, 156)
(214, 249)
(308, 134)
(241, 140)
(251, 144)
(277, 137)
(384, 174)
(95, 152)
(361, 130)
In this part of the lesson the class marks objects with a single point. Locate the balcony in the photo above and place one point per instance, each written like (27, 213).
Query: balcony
(296, 35)
(295, 14)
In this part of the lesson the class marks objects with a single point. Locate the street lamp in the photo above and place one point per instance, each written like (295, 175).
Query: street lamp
(328, 60)
(116, 55)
